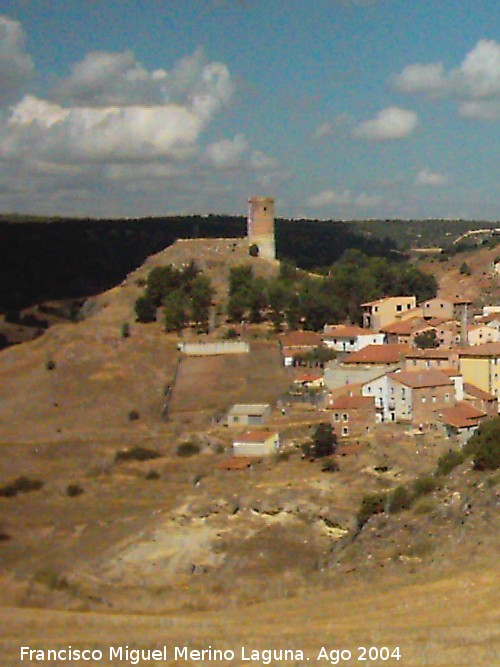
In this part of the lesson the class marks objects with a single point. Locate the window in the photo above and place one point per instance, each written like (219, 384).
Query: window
(408, 307)
(393, 416)
(336, 417)
(424, 399)
(345, 417)
(399, 308)
(376, 309)
(352, 341)
(447, 397)
(345, 430)
(434, 399)
(368, 390)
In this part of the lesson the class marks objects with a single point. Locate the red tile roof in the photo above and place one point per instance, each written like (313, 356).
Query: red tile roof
(308, 377)
(350, 402)
(346, 331)
(436, 353)
(236, 463)
(378, 354)
(385, 298)
(485, 350)
(420, 379)
(462, 415)
(472, 390)
(405, 327)
(300, 339)
(256, 435)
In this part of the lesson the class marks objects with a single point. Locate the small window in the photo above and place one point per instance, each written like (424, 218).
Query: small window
(236, 419)
(336, 417)
(345, 417)
(408, 307)
(447, 397)
(424, 399)
(399, 308)
(345, 430)
(434, 399)
(393, 416)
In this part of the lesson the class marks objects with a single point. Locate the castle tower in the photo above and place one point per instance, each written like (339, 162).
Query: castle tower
(260, 226)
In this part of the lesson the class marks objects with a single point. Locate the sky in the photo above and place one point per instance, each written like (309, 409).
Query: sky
(339, 109)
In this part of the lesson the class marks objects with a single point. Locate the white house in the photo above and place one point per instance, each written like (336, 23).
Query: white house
(257, 442)
(345, 338)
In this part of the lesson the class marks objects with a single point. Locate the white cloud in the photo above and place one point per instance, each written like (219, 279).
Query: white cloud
(344, 198)
(475, 83)
(261, 162)
(421, 78)
(389, 124)
(433, 179)
(330, 198)
(228, 153)
(322, 131)
(105, 79)
(16, 66)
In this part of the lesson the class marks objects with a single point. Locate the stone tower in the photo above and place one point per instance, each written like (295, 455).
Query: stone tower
(260, 226)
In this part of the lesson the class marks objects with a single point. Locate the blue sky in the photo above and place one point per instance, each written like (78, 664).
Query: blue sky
(343, 109)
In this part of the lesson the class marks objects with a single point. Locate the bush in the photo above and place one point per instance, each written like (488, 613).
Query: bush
(448, 461)
(134, 415)
(231, 334)
(145, 310)
(465, 269)
(74, 490)
(330, 466)
(153, 474)
(125, 330)
(484, 446)
(20, 485)
(374, 503)
(423, 485)
(137, 454)
(50, 364)
(400, 499)
(186, 449)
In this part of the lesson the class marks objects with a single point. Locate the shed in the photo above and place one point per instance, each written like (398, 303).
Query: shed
(248, 414)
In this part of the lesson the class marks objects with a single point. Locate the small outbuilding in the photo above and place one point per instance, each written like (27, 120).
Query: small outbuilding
(248, 414)
(257, 442)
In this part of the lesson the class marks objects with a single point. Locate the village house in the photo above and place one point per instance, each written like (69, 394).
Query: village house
(248, 415)
(352, 416)
(492, 320)
(403, 332)
(309, 380)
(378, 355)
(480, 366)
(477, 334)
(415, 396)
(257, 442)
(345, 338)
(340, 376)
(461, 421)
(380, 313)
(437, 308)
(377, 388)
(298, 343)
(482, 400)
(433, 358)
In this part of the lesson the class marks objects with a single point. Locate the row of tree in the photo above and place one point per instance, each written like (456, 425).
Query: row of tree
(185, 294)
(300, 299)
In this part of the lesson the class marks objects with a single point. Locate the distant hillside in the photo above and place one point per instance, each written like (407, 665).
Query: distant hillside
(52, 258)
(408, 234)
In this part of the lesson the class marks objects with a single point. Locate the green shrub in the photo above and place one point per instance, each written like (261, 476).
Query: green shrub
(374, 503)
(423, 485)
(50, 364)
(448, 461)
(20, 485)
(399, 499)
(186, 449)
(74, 490)
(330, 466)
(484, 446)
(231, 334)
(137, 454)
(134, 415)
(145, 310)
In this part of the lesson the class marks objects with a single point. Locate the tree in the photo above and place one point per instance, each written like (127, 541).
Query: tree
(485, 445)
(201, 300)
(257, 299)
(161, 280)
(278, 296)
(175, 310)
(145, 310)
(426, 339)
(465, 269)
(324, 440)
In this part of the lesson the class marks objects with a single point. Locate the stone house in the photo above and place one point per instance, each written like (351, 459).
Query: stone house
(480, 366)
(352, 416)
(298, 343)
(477, 334)
(461, 421)
(415, 396)
(482, 400)
(436, 358)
